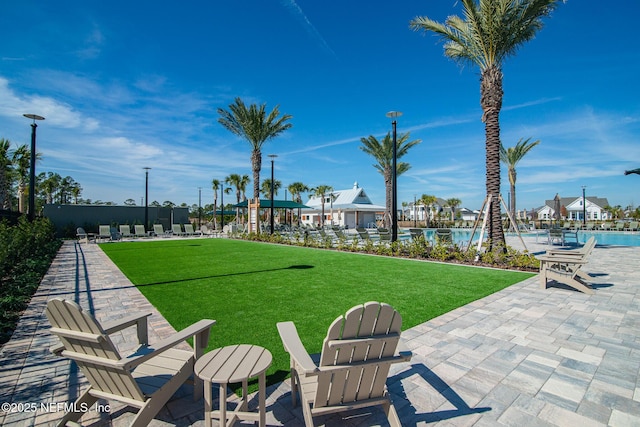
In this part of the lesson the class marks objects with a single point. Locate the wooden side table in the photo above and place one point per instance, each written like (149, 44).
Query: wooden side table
(234, 364)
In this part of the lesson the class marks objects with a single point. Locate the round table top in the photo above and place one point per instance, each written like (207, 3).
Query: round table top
(232, 364)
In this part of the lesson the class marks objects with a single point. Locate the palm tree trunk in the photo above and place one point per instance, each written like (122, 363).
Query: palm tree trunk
(388, 196)
(491, 101)
(256, 165)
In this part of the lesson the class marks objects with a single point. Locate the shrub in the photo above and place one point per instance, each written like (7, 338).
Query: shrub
(26, 251)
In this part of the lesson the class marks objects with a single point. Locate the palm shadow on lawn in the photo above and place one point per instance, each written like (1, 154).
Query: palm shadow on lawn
(167, 282)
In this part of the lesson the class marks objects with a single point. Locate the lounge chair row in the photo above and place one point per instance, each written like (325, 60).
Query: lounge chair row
(357, 354)
(108, 233)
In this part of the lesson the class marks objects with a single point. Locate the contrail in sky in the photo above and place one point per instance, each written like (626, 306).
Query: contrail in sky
(308, 26)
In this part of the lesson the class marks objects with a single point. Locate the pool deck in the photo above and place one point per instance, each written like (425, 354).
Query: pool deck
(522, 356)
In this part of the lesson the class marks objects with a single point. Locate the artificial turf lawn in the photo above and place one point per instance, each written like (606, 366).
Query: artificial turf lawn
(247, 287)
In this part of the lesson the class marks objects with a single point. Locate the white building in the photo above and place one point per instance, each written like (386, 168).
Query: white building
(572, 209)
(346, 208)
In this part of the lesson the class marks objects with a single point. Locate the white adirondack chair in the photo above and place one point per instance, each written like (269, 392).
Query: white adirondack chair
(357, 353)
(145, 379)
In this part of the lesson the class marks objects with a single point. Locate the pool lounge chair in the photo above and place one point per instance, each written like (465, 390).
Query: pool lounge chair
(139, 231)
(145, 379)
(188, 230)
(444, 236)
(176, 230)
(125, 231)
(104, 233)
(158, 230)
(357, 353)
(417, 234)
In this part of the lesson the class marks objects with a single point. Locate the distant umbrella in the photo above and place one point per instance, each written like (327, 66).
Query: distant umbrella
(636, 171)
(556, 207)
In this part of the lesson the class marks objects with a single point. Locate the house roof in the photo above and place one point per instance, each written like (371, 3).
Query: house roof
(566, 201)
(354, 198)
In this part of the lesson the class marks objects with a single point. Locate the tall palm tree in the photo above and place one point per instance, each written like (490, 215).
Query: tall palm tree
(257, 127)
(215, 186)
(427, 200)
(510, 157)
(382, 151)
(490, 32)
(453, 203)
(296, 189)
(321, 192)
(5, 174)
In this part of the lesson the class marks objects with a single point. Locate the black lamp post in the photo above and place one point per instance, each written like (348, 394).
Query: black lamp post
(146, 197)
(32, 167)
(199, 207)
(584, 207)
(221, 205)
(394, 177)
(272, 156)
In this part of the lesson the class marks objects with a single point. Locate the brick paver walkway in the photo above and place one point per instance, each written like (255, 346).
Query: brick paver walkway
(522, 356)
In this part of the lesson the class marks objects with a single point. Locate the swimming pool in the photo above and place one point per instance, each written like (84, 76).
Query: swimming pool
(612, 238)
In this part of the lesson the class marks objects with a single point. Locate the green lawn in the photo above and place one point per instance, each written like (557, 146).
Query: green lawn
(248, 287)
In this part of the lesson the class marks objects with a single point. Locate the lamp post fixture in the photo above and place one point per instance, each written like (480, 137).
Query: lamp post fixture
(394, 178)
(32, 167)
(584, 208)
(271, 218)
(146, 197)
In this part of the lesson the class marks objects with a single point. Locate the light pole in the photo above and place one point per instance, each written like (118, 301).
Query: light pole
(394, 177)
(272, 157)
(415, 218)
(199, 207)
(584, 207)
(221, 205)
(32, 167)
(146, 197)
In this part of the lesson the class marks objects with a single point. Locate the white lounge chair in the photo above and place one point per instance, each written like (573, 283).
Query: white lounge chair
(125, 231)
(139, 231)
(145, 379)
(357, 353)
(104, 232)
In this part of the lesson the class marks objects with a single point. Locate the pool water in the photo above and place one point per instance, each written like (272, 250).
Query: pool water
(612, 238)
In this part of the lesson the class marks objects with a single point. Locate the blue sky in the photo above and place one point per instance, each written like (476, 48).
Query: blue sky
(125, 85)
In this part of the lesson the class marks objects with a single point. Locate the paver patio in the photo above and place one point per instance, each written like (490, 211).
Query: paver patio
(522, 356)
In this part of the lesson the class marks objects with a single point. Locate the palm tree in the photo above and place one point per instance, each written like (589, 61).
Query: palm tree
(254, 125)
(215, 185)
(296, 189)
(238, 181)
(321, 192)
(490, 32)
(21, 159)
(5, 174)
(382, 151)
(453, 203)
(427, 200)
(510, 157)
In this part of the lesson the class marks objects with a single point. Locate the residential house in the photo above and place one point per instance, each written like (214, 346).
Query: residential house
(572, 209)
(346, 208)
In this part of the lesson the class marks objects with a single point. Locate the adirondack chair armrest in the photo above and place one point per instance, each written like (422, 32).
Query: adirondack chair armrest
(140, 320)
(199, 330)
(293, 345)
